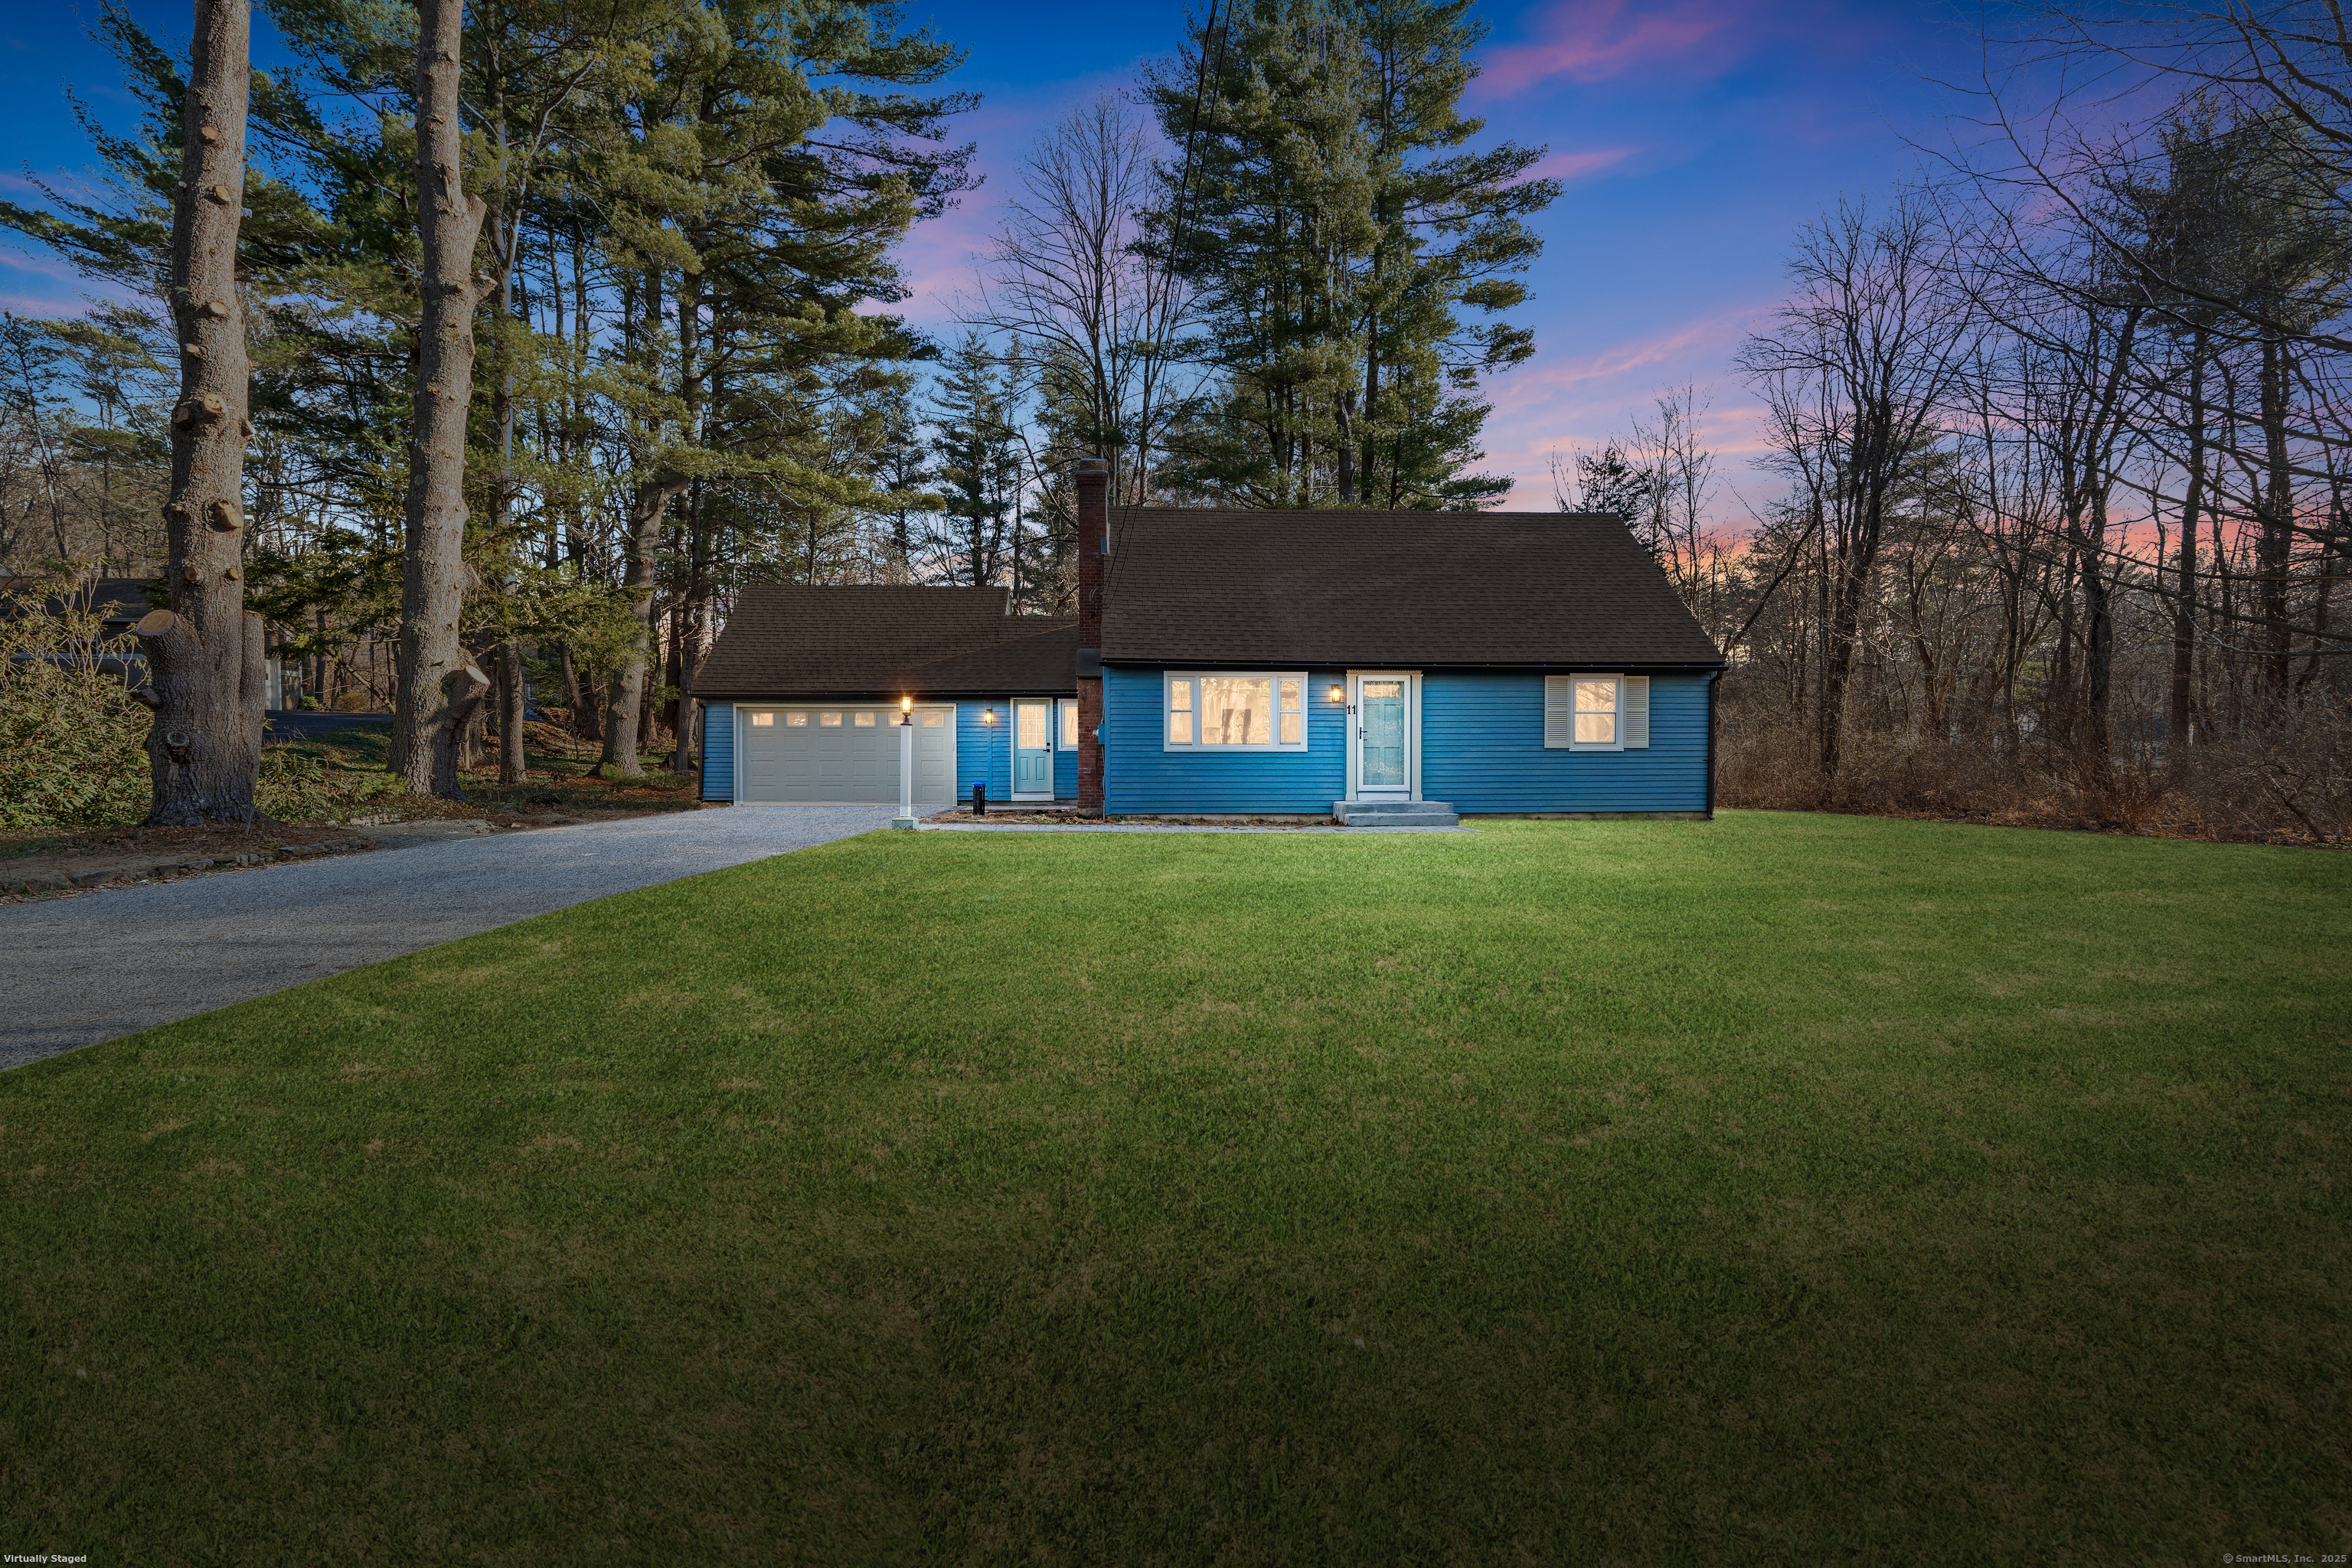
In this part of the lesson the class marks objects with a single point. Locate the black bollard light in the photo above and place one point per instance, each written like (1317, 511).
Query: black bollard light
(979, 800)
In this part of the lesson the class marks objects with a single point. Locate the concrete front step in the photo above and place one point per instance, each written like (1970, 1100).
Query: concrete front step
(1395, 813)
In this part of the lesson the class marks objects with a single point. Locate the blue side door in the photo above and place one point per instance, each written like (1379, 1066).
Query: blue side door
(1033, 749)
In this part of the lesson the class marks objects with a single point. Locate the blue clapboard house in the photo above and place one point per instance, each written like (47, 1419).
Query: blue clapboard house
(1383, 667)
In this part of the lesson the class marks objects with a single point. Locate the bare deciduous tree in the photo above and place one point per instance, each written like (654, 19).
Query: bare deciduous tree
(1855, 379)
(1064, 275)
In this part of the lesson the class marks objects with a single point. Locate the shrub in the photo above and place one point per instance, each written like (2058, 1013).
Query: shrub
(73, 739)
(298, 786)
(2293, 785)
(72, 751)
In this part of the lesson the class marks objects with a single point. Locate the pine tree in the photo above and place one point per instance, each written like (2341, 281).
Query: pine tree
(1335, 229)
(978, 466)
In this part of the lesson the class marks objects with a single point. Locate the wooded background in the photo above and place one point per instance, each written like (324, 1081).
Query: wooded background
(2056, 429)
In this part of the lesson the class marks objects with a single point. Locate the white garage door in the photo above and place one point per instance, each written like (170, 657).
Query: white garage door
(805, 754)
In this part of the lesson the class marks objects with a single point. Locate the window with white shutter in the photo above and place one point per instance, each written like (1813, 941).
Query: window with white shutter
(1596, 713)
(1559, 712)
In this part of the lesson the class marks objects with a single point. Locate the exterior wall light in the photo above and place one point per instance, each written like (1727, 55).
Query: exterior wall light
(988, 717)
(1338, 693)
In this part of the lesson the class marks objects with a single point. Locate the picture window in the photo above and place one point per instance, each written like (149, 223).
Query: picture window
(1242, 713)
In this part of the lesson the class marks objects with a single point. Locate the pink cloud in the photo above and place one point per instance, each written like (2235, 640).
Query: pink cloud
(47, 284)
(1590, 40)
(40, 264)
(1576, 165)
(1555, 405)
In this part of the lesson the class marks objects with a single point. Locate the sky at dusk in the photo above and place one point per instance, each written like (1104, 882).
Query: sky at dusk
(1693, 136)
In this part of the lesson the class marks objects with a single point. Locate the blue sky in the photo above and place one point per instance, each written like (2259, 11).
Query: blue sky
(1694, 136)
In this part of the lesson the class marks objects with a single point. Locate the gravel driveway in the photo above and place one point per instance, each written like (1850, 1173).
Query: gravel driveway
(76, 970)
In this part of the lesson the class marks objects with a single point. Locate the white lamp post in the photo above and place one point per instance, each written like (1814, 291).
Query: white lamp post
(906, 817)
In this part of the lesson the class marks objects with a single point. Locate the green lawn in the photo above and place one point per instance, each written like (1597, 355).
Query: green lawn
(1786, 1188)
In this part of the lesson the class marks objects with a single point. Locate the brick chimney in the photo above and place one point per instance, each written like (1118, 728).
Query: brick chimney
(1094, 555)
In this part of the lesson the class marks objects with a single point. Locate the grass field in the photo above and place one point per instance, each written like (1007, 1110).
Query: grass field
(1780, 1189)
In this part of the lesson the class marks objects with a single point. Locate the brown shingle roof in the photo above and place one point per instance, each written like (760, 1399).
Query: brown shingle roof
(123, 600)
(794, 641)
(1401, 588)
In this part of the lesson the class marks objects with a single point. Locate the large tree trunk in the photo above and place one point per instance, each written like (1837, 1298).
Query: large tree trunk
(646, 509)
(2274, 545)
(435, 674)
(1345, 411)
(1856, 563)
(205, 654)
(2184, 606)
(693, 612)
(1837, 674)
(513, 765)
(580, 698)
(2098, 646)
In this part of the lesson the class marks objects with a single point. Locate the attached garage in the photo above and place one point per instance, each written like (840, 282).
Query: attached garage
(800, 696)
(808, 753)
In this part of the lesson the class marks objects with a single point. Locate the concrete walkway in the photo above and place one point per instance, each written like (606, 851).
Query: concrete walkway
(76, 970)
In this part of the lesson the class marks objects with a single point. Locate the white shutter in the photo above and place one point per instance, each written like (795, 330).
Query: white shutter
(1559, 712)
(1633, 698)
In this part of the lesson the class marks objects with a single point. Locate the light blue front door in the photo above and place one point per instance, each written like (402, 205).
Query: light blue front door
(1381, 721)
(1032, 751)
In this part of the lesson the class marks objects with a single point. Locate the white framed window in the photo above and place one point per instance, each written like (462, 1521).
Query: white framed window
(828, 720)
(1068, 707)
(795, 720)
(1596, 713)
(763, 720)
(932, 718)
(864, 719)
(1218, 710)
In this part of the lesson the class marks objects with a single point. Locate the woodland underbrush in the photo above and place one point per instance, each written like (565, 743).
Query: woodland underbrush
(2292, 786)
(73, 753)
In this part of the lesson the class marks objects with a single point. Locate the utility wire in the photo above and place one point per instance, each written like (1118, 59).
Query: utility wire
(1192, 127)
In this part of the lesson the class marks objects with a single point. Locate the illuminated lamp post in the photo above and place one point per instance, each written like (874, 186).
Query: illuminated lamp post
(906, 817)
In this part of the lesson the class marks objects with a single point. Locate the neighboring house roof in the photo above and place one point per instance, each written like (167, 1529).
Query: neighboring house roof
(792, 641)
(1407, 589)
(123, 600)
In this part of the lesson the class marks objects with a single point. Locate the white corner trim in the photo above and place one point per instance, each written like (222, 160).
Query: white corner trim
(1412, 731)
(735, 745)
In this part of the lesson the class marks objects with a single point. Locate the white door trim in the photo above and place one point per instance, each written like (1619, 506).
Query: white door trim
(1412, 679)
